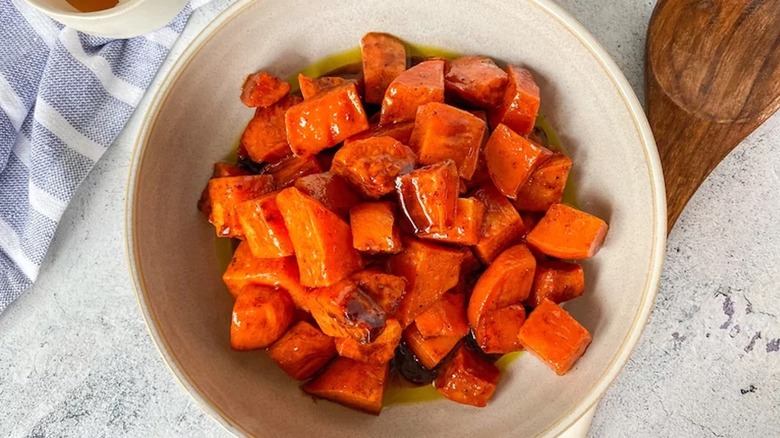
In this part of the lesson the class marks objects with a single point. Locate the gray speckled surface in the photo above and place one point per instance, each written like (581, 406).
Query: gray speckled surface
(76, 360)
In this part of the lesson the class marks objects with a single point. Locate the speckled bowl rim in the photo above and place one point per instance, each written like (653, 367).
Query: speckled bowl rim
(652, 281)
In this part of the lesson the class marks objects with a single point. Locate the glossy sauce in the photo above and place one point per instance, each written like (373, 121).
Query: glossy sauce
(93, 5)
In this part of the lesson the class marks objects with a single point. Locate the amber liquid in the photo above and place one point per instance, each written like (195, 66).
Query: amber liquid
(93, 5)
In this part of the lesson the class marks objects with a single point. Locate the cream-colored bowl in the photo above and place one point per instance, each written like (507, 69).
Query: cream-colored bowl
(196, 118)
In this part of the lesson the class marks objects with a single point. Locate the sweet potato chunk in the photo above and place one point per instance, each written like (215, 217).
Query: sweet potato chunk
(380, 351)
(520, 103)
(429, 196)
(429, 351)
(444, 132)
(288, 170)
(477, 80)
(467, 378)
(506, 282)
(261, 315)
(372, 164)
(553, 336)
(302, 351)
(343, 310)
(430, 271)
(264, 228)
(556, 281)
(384, 58)
(545, 186)
(263, 90)
(332, 190)
(325, 120)
(358, 385)
(265, 138)
(502, 226)
(399, 131)
(446, 317)
(413, 88)
(567, 233)
(373, 228)
(511, 159)
(386, 290)
(226, 193)
(467, 226)
(310, 87)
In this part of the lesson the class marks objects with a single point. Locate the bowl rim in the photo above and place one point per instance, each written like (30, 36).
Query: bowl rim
(119, 9)
(652, 160)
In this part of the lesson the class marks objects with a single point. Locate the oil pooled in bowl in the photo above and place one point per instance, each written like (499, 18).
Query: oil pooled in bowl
(93, 5)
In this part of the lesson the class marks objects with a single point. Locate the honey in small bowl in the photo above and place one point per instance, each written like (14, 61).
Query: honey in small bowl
(93, 5)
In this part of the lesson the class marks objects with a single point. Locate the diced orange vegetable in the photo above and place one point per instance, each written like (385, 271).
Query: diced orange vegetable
(429, 351)
(288, 170)
(372, 164)
(430, 271)
(223, 169)
(325, 120)
(511, 159)
(332, 190)
(261, 315)
(399, 131)
(264, 228)
(467, 378)
(226, 193)
(263, 90)
(384, 58)
(552, 335)
(310, 87)
(344, 310)
(265, 138)
(358, 385)
(556, 281)
(477, 80)
(380, 351)
(429, 196)
(471, 263)
(506, 282)
(545, 186)
(373, 228)
(302, 351)
(446, 317)
(386, 290)
(413, 88)
(520, 103)
(444, 132)
(501, 226)
(467, 226)
(322, 241)
(567, 233)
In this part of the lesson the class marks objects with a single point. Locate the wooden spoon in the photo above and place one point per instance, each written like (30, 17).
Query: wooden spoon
(713, 76)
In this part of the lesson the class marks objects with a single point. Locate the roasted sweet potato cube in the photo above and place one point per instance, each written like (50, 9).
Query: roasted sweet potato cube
(502, 226)
(379, 351)
(511, 159)
(430, 271)
(332, 190)
(467, 226)
(311, 87)
(446, 317)
(288, 170)
(467, 378)
(520, 104)
(421, 84)
(223, 169)
(372, 164)
(498, 329)
(374, 229)
(477, 80)
(384, 58)
(552, 335)
(387, 290)
(264, 228)
(545, 186)
(430, 352)
(345, 310)
(399, 131)
(226, 193)
(567, 233)
(302, 351)
(262, 89)
(556, 281)
(325, 120)
(261, 315)
(444, 132)
(429, 196)
(265, 138)
(322, 241)
(357, 385)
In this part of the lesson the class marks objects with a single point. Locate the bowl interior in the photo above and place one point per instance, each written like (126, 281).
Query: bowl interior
(198, 119)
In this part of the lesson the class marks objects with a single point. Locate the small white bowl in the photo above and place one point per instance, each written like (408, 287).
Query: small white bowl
(128, 19)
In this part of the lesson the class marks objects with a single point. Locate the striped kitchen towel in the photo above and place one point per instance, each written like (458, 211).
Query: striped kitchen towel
(64, 97)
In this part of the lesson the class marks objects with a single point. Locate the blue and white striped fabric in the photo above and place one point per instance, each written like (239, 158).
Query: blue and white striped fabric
(64, 97)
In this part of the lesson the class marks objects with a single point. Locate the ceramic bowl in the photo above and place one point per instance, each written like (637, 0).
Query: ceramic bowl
(196, 118)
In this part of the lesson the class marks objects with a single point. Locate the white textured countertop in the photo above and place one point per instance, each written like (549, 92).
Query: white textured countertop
(76, 359)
